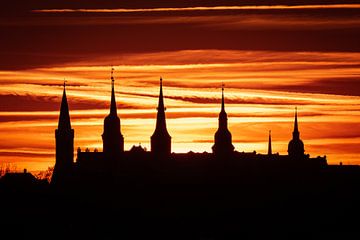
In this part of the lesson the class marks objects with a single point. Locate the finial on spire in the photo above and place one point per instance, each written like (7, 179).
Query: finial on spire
(296, 128)
(113, 110)
(222, 97)
(64, 83)
(112, 74)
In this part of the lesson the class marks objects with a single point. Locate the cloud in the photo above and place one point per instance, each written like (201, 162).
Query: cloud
(61, 38)
(28, 103)
(339, 86)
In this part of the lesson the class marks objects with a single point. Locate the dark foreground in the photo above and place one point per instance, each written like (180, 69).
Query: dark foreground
(215, 204)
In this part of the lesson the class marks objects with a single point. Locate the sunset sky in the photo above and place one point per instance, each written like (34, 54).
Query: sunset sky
(271, 57)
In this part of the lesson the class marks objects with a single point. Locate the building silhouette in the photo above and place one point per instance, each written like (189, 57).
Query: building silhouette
(223, 139)
(296, 146)
(113, 140)
(161, 139)
(64, 137)
(118, 162)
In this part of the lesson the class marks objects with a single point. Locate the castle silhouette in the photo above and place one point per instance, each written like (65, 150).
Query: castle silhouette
(115, 157)
(225, 194)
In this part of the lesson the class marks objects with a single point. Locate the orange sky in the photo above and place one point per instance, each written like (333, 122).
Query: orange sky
(260, 96)
(306, 56)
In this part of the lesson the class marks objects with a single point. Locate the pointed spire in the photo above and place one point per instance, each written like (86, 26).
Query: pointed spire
(269, 147)
(296, 121)
(222, 115)
(296, 134)
(64, 118)
(161, 98)
(113, 109)
(161, 139)
(223, 140)
(222, 98)
(160, 120)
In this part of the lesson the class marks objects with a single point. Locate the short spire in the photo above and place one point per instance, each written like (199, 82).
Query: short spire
(113, 109)
(269, 147)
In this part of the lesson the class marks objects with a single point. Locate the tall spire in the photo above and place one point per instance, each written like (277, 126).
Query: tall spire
(113, 109)
(161, 97)
(296, 134)
(64, 118)
(269, 147)
(222, 115)
(296, 146)
(223, 140)
(64, 138)
(113, 140)
(160, 120)
(161, 139)
(222, 98)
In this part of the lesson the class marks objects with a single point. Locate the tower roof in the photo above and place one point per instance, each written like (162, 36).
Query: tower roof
(222, 99)
(296, 121)
(160, 118)
(64, 118)
(161, 106)
(113, 108)
(223, 114)
(296, 133)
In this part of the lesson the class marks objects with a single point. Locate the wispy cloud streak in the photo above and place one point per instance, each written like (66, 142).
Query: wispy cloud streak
(215, 8)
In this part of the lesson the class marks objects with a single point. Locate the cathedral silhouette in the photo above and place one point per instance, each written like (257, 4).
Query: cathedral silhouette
(114, 158)
(225, 194)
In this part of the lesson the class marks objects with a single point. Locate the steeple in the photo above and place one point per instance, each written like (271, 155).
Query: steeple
(269, 147)
(113, 140)
(64, 140)
(160, 120)
(64, 118)
(113, 109)
(222, 99)
(161, 139)
(296, 134)
(296, 146)
(223, 140)
(223, 115)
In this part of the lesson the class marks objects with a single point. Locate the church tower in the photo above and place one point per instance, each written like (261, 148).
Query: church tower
(113, 140)
(223, 140)
(64, 137)
(296, 146)
(161, 139)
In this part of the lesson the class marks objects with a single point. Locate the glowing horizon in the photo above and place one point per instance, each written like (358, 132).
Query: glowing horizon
(192, 104)
(271, 58)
